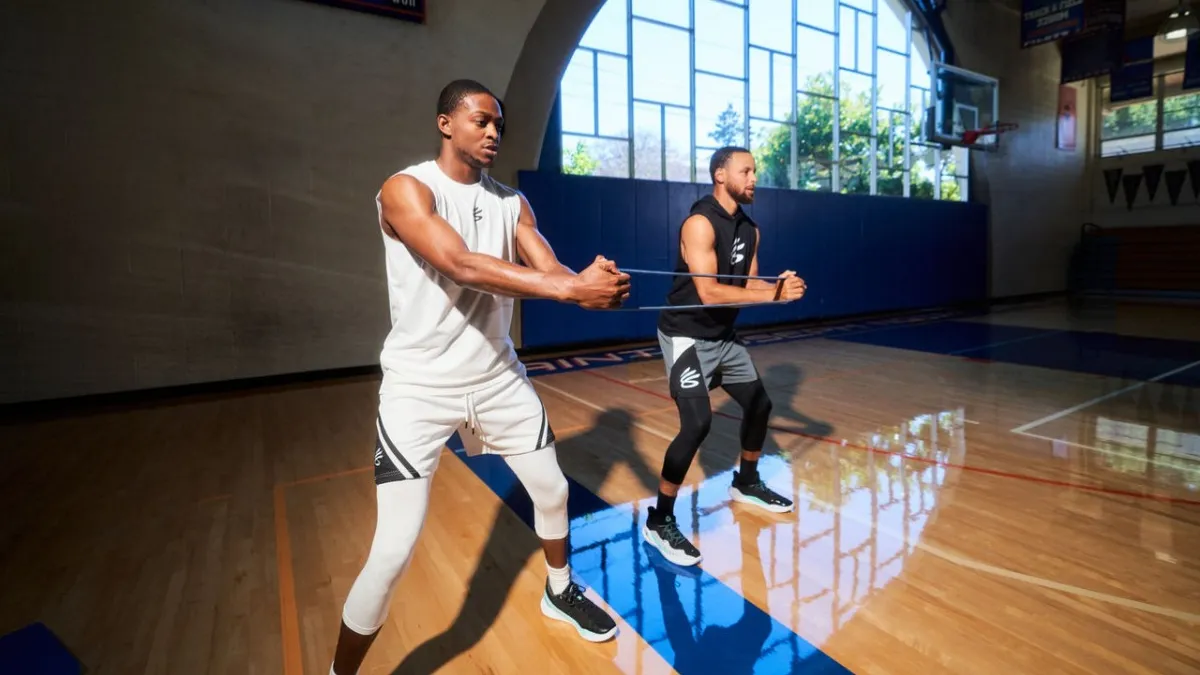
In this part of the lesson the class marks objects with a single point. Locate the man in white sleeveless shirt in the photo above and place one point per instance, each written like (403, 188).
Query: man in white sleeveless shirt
(453, 241)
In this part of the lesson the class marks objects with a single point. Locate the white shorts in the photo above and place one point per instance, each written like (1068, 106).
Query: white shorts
(504, 417)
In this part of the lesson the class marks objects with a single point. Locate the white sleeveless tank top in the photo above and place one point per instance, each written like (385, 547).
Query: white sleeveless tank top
(446, 338)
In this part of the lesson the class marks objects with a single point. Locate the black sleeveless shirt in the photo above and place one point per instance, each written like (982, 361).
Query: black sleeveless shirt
(736, 237)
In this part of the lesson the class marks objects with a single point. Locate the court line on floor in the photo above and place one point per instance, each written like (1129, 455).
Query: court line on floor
(1152, 461)
(289, 620)
(1086, 404)
(1006, 573)
(928, 460)
(952, 557)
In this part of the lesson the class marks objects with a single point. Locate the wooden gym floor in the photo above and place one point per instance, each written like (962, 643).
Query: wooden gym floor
(1012, 492)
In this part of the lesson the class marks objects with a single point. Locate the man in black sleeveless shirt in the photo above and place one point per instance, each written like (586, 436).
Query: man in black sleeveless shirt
(701, 348)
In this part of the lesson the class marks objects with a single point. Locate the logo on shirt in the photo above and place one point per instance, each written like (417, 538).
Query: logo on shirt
(739, 251)
(478, 214)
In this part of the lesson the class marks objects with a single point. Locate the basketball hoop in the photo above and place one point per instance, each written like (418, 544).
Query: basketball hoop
(971, 136)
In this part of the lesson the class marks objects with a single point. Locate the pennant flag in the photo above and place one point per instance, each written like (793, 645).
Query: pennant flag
(1112, 179)
(1175, 184)
(1132, 183)
(1152, 173)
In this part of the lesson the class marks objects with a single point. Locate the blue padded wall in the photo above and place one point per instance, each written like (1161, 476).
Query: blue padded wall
(857, 253)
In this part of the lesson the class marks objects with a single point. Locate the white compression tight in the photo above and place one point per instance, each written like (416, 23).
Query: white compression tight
(401, 514)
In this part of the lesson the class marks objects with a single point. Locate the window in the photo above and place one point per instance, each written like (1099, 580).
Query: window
(829, 95)
(1168, 120)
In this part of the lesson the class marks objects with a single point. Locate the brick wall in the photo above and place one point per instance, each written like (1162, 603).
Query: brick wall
(186, 188)
(1037, 193)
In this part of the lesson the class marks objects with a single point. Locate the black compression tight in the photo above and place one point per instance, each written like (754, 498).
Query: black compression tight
(756, 412)
(695, 420)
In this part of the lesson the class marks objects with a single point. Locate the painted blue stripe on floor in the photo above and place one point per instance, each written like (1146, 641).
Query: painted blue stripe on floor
(695, 621)
(1121, 356)
(36, 650)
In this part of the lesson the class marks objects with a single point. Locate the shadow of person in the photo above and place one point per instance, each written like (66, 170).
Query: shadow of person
(783, 382)
(733, 649)
(591, 456)
(754, 642)
(508, 548)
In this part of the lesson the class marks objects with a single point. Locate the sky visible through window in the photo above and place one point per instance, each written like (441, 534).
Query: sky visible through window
(774, 92)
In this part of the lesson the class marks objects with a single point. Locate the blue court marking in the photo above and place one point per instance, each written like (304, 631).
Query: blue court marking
(696, 622)
(36, 650)
(1126, 357)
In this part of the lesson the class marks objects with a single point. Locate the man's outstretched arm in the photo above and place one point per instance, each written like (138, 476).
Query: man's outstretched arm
(408, 210)
(699, 251)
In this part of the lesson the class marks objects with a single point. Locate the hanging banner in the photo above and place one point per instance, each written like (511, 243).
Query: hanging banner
(1132, 183)
(1112, 181)
(1175, 185)
(1099, 48)
(1134, 78)
(1104, 15)
(1066, 117)
(1088, 56)
(1049, 20)
(1191, 64)
(1152, 172)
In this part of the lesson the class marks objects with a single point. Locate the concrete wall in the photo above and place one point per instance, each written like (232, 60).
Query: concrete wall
(187, 188)
(1036, 192)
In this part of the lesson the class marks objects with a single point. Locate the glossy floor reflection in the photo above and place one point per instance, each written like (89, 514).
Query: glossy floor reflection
(1013, 492)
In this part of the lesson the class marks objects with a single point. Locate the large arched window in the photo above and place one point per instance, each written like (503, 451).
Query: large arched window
(829, 95)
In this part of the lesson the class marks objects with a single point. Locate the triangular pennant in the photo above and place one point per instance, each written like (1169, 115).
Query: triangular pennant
(1132, 183)
(1175, 184)
(1112, 179)
(1152, 173)
(1194, 173)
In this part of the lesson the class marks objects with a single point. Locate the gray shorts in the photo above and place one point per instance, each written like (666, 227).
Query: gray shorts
(692, 362)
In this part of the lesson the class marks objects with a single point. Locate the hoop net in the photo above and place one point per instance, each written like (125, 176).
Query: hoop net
(971, 136)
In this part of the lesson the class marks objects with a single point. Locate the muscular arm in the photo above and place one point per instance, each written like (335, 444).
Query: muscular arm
(410, 216)
(759, 284)
(533, 247)
(698, 244)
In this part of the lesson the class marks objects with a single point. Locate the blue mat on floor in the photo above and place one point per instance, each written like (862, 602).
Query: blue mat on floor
(36, 650)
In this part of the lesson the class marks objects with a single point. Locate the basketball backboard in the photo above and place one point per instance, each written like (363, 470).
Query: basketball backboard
(965, 103)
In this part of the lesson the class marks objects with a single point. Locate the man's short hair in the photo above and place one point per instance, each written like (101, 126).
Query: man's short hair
(453, 94)
(721, 157)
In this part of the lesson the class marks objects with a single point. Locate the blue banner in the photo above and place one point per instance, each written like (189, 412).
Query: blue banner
(1191, 64)
(405, 10)
(1049, 20)
(1099, 48)
(1134, 77)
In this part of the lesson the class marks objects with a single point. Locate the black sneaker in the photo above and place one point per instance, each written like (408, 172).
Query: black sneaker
(758, 494)
(573, 607)
(664, 535)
